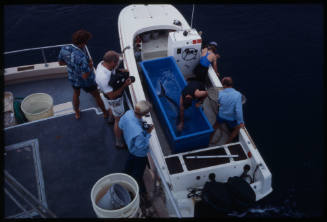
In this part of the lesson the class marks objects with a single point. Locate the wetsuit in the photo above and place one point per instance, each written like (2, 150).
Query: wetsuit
(201, 70)
(191, 87)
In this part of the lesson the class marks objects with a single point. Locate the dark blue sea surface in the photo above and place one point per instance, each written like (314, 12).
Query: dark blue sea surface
(274, 53)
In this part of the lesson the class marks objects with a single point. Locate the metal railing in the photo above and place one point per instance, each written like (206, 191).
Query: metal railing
(37, 48)
(42, 51)
(27, 196)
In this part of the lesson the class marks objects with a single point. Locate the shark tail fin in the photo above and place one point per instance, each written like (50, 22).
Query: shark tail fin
(162, 90)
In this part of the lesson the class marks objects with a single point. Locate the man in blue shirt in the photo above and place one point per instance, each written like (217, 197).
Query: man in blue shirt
(137, 137)
(230, 109)
(80, 70)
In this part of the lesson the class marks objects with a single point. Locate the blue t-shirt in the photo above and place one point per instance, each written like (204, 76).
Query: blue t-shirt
(136, 138)
(230, 105)
(77, 64)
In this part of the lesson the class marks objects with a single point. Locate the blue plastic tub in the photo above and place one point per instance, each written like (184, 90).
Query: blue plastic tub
(165, 83)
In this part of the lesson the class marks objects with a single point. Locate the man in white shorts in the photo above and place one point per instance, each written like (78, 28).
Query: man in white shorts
(114, 97)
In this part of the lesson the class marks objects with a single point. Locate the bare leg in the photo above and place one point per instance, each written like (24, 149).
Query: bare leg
(118, 132)
(111, 118)
(234, 133)
(215, 126)
(76, 103)
(100, 103)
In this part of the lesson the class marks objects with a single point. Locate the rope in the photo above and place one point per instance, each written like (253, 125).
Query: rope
(88, 53)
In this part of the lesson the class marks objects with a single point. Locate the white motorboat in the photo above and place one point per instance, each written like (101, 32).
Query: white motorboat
(149, 32)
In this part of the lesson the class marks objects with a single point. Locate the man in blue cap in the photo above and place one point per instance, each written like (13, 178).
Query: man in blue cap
(208, 56)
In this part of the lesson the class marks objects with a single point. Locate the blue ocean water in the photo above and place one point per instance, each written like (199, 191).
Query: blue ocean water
(274, 53)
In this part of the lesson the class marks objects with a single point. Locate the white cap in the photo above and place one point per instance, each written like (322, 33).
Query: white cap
(142, 107)
(213, 43)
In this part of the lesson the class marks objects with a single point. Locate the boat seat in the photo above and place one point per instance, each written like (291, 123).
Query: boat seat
(154, 55)
(174, 162)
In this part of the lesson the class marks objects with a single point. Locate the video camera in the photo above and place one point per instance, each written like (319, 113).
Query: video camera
(119, 78)
(145, 125)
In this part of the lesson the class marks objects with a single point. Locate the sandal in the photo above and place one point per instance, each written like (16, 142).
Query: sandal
(120, 144)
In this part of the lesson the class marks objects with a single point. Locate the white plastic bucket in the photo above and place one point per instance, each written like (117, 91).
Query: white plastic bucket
(37, 106)
(101, 187)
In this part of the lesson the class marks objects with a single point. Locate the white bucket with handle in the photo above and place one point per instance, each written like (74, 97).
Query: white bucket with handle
(101, 188)
(37, 106)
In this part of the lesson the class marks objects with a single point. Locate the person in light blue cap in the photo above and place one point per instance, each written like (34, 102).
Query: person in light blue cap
(208, 56)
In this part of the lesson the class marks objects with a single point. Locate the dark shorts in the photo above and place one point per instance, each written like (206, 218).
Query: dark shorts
(87, 89)
(201, 73)
(230, 124)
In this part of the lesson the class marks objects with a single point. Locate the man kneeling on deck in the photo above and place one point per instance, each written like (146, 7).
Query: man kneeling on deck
(137, 135)
(230, 109)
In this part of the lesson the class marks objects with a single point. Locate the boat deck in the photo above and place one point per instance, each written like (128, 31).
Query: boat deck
(68, 155)
(59, 89)
(61, 158)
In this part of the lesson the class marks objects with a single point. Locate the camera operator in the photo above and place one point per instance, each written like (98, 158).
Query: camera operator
(137, 134)
(106, 71)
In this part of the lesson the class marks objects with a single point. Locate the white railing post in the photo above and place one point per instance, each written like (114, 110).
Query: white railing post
(44, 58)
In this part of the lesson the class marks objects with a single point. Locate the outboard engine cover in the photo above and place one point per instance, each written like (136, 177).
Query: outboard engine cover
(216, 194)
(242, 193)
(218, 199)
